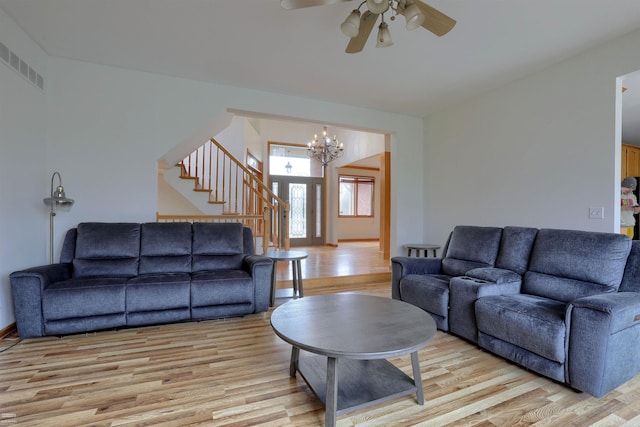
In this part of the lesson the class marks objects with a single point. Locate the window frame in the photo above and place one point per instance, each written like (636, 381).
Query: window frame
(355, 179)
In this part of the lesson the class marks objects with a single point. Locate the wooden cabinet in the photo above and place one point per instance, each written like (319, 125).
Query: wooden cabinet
(630, 161)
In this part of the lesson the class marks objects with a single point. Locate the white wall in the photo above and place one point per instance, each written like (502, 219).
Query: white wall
(538, 152)
(233, 138)
(252, 141)
(25, 177)
(172, 202)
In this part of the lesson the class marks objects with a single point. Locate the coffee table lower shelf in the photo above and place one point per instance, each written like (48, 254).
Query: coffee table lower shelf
(361, 383)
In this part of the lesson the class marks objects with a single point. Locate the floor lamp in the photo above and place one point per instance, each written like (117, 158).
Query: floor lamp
(57, 202)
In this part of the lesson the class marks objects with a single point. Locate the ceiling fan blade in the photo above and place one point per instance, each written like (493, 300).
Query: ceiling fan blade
(435, 21)
(299, 4)
(367, 21)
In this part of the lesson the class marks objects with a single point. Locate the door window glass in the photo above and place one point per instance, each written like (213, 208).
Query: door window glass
(298, 213)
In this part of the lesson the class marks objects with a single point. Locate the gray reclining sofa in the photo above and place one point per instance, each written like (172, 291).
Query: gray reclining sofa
(114, 275)
(562, 303)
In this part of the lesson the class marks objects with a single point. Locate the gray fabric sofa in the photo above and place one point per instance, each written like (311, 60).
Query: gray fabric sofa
(114, 275)
(562, 303)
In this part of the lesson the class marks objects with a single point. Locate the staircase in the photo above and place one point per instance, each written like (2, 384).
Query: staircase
(235, 194)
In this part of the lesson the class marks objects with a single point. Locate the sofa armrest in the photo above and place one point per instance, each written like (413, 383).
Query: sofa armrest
(495, 275)
(260, 268)
(464, 291)
(622, 307)
(403, 266)
(603, 333)
(27, 286)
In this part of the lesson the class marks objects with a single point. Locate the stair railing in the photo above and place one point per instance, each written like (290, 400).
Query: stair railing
(244, 198)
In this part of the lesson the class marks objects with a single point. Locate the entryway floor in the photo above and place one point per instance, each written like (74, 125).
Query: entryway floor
(348, 259)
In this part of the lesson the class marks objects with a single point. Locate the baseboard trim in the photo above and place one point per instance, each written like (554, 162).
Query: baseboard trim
(11, 329)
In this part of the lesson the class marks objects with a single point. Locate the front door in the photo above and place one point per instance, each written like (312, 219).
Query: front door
(305, 196)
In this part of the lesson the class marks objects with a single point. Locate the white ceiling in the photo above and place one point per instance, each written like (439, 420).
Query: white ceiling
(257, 44)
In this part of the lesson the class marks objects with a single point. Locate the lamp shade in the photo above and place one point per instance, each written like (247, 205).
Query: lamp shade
(414, 16)
(58, 200)
(351, 26)
(378, 6)
(384, 36)
(63, 205)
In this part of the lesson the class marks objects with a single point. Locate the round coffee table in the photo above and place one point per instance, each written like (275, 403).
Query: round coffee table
(350, 336)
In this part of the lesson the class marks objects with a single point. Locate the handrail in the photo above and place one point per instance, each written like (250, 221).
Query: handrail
(238, 202)
(245, 169)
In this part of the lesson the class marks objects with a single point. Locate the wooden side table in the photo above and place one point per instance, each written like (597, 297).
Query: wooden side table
(426, 247)
(295, 257)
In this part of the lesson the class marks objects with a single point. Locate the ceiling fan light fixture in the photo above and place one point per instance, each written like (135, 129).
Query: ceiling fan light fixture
(351, 26)
(414, 16)
(384, 36)
(359, 24)
(378, 6)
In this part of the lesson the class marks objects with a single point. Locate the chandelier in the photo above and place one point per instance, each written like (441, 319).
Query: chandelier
(325, 149)
(414, 18)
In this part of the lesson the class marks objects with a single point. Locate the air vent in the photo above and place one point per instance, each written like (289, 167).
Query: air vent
(24, 69)
(4, 53)
(14, 62)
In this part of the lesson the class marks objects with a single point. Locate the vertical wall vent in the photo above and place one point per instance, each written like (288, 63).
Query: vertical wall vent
(13, 61)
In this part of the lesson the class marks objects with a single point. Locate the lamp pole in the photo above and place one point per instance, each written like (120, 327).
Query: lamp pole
(51, 215)
(57, 200)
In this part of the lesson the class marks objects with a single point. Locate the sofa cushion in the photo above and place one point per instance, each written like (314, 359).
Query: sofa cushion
(530, 322)
(217, 238)
(107, 250)
(217, 246)
(569, 264)
(471, 247)
(165, 247)
(68, 251)
(560, 288)
(221, 287)
(515, 248)
(151, 292)
(84, 297)
(247, 241)
(429, 292)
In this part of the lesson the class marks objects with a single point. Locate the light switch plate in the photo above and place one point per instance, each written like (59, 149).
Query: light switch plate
(596, 213)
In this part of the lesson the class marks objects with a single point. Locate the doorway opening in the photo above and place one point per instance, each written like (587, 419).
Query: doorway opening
(629, 137)
(298, 181)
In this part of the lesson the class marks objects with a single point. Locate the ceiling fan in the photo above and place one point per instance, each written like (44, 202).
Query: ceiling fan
(358, 25)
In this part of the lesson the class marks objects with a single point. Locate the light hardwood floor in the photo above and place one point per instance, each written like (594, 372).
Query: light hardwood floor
(348, 259)
(235, 372)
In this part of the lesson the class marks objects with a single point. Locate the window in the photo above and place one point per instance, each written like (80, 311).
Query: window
(289, 160)
(356, 196)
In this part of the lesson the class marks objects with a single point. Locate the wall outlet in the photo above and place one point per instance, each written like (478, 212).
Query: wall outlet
(596, 213)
